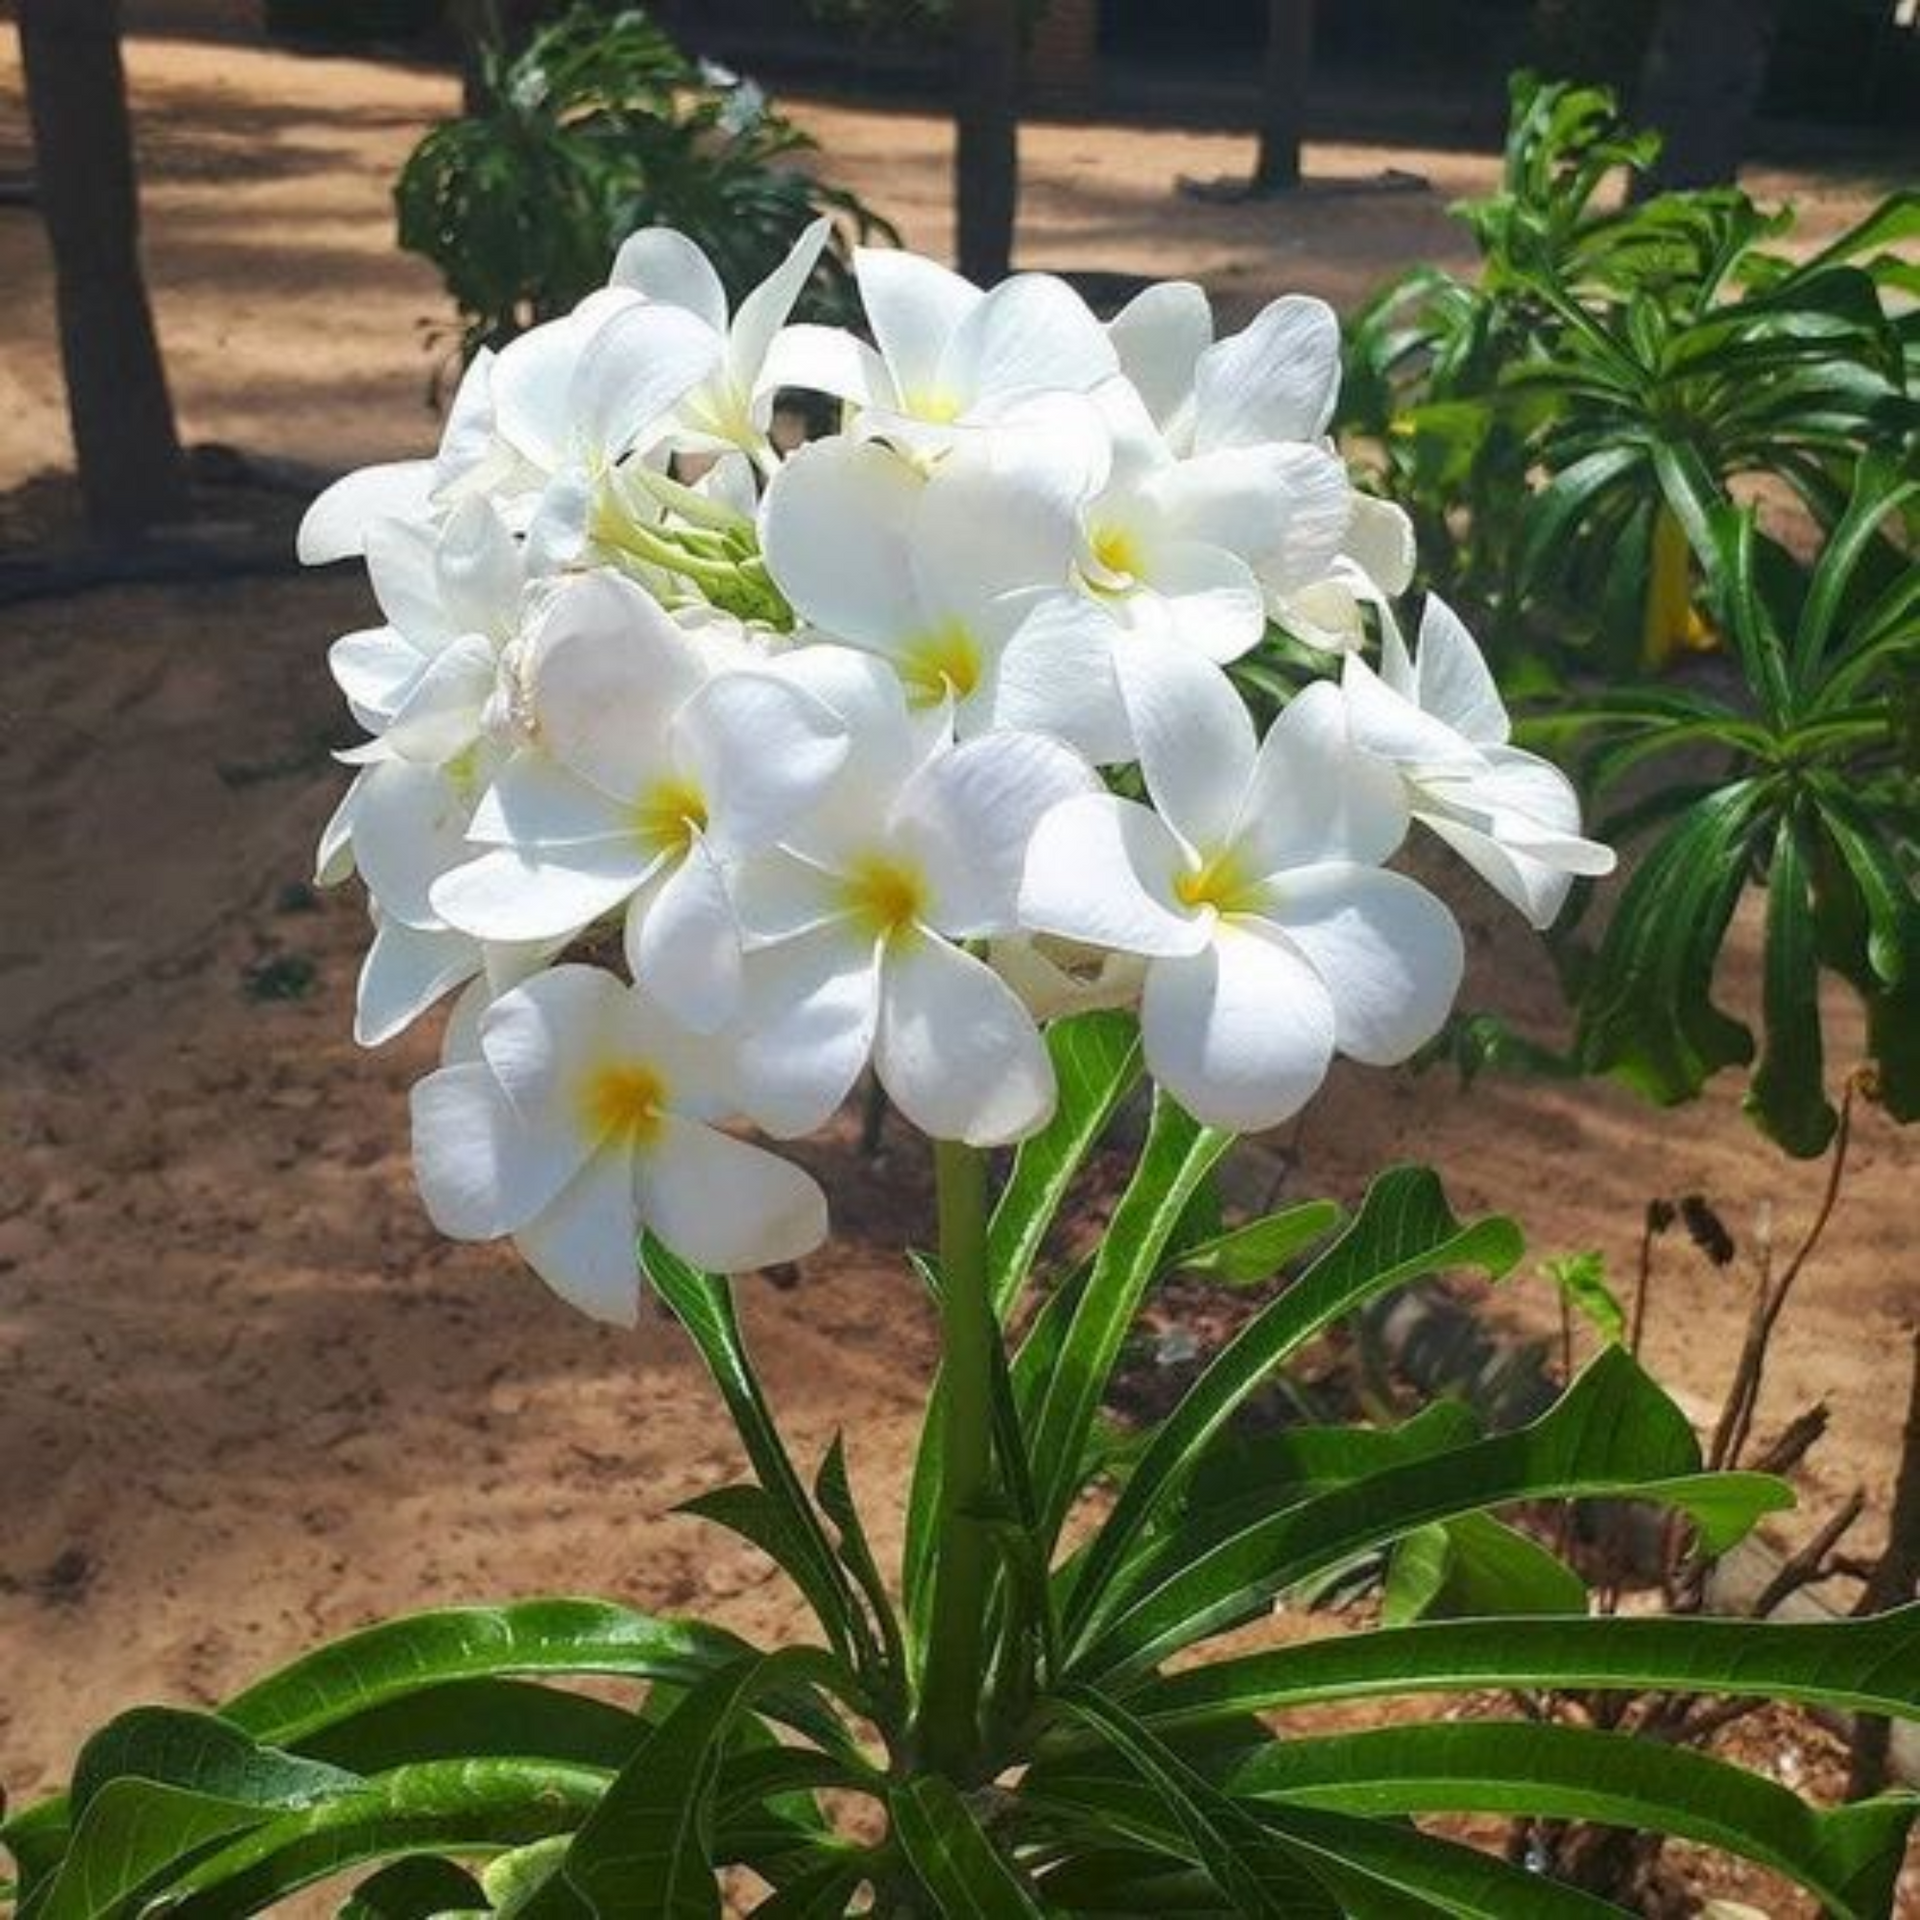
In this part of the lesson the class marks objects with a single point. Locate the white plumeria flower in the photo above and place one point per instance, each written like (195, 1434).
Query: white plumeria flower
(1273, 938)
(949, 356)
(732, 406)
(1275, 382)
(452, 595)
(931, 572)
(336, 525)
(587, 1116)
(655, 761)
(858, 925)
(1439, 719)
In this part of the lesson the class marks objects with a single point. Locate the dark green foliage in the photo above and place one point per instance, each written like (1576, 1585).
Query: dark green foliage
(601, 126)
(450, 1763)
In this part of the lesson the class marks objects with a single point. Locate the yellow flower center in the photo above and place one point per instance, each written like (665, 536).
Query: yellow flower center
(944, 660)
(1217, 883)
(668, 816)
(625, 1102)
(887, 897)
(935, 404)
(1116, 551)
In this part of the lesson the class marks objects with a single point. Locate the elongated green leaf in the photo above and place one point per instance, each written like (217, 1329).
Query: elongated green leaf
(765, 1521)
(648, 1852)
(1647, 1012)
(1848, 1858)
(1476, 1567)
(530, 1881)
(834, 1491)
(1177, 1156)
(1612, 1433)
(1128, 1881)
(1251, 1254)
(1259, 1877)
(1787, 1094)
(1862, 1666)
(458, 1807)
(951, 1856)
(477, 1720)
(527, 1637)
(703, 1304)
(415, 1889)
(1096, 1063)
(824, 1893)
(1404, 1229)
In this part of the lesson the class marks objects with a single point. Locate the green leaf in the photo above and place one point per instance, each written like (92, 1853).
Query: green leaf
(1096, 1064)
(1250, 1255)
(1788, 1092)
(1646, 1011)
(1848, 1858)
(527, 1637)
(1613, 1432)
(823, 1893)
(1177, 1156)
(415, 1889)
(703, 1304)
(1476, 1567)
(530, 1880)
(1404, 1229)
(1581, 1280)
(1861, 1666)
(460, 1807)
(648, 1852)
(958, 1866)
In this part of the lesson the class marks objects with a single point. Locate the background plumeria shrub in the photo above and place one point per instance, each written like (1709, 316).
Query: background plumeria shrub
(709, 775)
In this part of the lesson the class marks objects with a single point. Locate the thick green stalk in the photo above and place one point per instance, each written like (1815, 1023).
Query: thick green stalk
(950, 1702)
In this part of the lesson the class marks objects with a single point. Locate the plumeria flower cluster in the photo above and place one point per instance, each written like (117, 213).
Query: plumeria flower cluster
(713, 774)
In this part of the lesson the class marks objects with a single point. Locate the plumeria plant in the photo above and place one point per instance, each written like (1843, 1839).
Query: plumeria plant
(711, 776)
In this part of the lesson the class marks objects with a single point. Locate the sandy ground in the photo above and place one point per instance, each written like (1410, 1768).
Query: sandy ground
(246, 1396)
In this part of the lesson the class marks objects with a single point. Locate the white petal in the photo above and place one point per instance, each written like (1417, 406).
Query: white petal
(683, 943)
(1057, 676)
(1057, 978)
(586, 1244)
(762, 750)
(439, 717)
(1314, 796)
(1240, 1034)
(1194, 737)
(724, 1205)
(956, 1051)
(1380, 542)
(404, 973)
(409, 827)
(806, 1028)
(837, 533)
(665, 266)
(913, 307)
(536, 893)
(1210, 600)
(1389, 953)
(403, 570)
(1389, 724)
(765, 310)
(481, 1171)
(479, 570)
(543, 1039)
(1102, 870)
(985, 528)
(374, 668)
(535, 803)
(827, 360)
(1276, 380)
(1453, 682)
(1160, 335)
(778, 896)
(333, 857)
(1283, 507)
(969, 815)
(634, 371)
(335, 526)
(1029, 333)
(609, 671)
(532, 378)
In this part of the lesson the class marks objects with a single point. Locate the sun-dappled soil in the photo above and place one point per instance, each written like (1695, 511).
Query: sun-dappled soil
(247, 1397)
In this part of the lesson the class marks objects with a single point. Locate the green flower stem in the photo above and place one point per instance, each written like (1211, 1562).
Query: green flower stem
(950, 1703)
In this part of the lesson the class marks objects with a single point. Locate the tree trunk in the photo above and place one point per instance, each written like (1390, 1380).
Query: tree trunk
(1283, 95)
(986, 159)
(132, 473)
(1705, 66)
